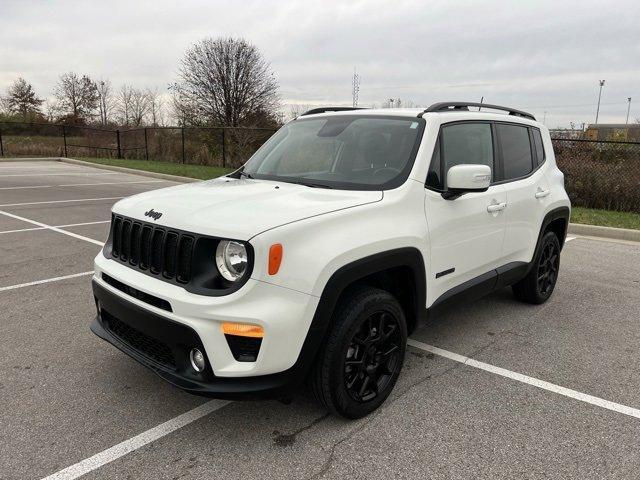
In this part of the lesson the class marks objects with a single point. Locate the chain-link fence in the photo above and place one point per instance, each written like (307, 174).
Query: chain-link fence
(598, 174)
(215, 146)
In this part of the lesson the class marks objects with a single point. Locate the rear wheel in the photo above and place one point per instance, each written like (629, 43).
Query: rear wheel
(539, 283)
(362, 358)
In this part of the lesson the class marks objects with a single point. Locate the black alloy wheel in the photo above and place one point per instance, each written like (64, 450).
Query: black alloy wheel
(548, 266)
(373, 356)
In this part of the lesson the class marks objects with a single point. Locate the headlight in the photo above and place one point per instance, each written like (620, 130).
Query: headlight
(231, 259)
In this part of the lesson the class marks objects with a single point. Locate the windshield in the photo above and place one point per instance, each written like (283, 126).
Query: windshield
(347, 152)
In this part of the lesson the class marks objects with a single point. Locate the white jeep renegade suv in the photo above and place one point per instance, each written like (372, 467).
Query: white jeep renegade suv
(317, 258)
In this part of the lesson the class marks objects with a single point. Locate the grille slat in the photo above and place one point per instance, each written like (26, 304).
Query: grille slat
(156, 250)
(150, 247)
(170, 252)
(117, 236)
(145, 247)
(134, 255)
(126, 240)
(185, 251)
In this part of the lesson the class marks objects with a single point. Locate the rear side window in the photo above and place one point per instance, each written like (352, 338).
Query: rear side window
(516, 150)
(537, 141)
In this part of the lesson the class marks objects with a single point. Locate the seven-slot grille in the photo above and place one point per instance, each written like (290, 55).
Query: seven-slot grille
(159, 250)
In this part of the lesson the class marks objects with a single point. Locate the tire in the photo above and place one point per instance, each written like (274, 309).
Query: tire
(541, 280)
(361, 360)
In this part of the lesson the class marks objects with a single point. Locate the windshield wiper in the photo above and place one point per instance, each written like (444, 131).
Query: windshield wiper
(245, 174)
(311, 184)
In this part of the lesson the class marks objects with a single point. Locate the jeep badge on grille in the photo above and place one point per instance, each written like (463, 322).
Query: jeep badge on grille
(152, 214)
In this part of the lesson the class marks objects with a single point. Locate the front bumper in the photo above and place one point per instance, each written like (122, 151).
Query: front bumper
(163, 346)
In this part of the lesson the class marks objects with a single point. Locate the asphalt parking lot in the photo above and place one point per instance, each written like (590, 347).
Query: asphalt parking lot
(551, 391)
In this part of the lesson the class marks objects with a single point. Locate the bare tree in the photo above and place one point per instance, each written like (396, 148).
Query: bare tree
(77, 97)
(133, 106)
(106, 102)
(183, 109)
(139, 107)
(156, 107)
(124, 99)
(228, 81)
(22, 100)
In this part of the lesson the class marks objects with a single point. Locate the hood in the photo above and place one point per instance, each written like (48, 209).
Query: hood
(237, 208)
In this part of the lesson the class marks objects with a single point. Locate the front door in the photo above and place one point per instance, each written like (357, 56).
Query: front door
(465, 234)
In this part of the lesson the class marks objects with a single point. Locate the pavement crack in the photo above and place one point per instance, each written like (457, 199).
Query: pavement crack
(288, 439)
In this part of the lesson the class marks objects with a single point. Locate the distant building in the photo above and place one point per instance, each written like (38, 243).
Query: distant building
(614, 132)
(566, 133)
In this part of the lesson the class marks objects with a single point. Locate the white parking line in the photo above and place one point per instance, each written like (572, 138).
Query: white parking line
(56, 226)
(59, 201)
(60, 174)
(123, 448)
(568, 239)
(82, 184)
(567, 392)
(52, 228)
(46, 280)
(21, 188)
(111, 183)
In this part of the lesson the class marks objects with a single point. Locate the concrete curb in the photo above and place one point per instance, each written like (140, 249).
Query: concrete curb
(604, 232)
(163, 176)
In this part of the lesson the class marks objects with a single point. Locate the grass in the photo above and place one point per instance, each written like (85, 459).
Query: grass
(202, 172)
(605, 218)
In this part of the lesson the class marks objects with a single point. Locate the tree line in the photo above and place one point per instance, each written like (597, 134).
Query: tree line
(221, 82)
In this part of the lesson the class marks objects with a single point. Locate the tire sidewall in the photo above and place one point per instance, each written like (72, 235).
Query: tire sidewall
(348, 325)
(549, 237)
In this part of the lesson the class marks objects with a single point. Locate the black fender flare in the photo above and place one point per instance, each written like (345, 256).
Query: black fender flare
(345, 276)
(555, 214)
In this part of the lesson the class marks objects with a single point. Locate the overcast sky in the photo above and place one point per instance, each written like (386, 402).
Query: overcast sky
(535, 55)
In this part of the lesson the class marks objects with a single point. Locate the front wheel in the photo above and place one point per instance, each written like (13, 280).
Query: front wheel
(539, 283)
(362, 358)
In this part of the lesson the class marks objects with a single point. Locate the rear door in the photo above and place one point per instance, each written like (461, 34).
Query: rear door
(466, 234)
(521, 156)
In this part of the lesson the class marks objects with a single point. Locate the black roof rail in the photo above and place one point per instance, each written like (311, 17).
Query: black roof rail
(330, 109)
(453, 106)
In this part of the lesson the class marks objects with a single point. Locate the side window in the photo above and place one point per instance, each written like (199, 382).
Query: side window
(466, 143)
(516, 150)
(537, 140)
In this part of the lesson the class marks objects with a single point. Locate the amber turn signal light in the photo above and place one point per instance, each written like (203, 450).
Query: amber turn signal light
(275, 258)
(242, 330)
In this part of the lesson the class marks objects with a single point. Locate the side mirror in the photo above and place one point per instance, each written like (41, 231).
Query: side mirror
(467, 178)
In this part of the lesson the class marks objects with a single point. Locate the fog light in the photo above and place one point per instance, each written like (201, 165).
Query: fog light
(197, 360)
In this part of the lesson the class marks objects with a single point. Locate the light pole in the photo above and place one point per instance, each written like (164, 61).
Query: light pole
(628, 110)
(599, 97)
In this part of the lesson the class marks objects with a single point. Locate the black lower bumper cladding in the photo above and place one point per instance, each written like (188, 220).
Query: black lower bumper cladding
(163, 346)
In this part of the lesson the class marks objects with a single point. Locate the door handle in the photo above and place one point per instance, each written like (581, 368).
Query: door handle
(496, 207)
(542, 193)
